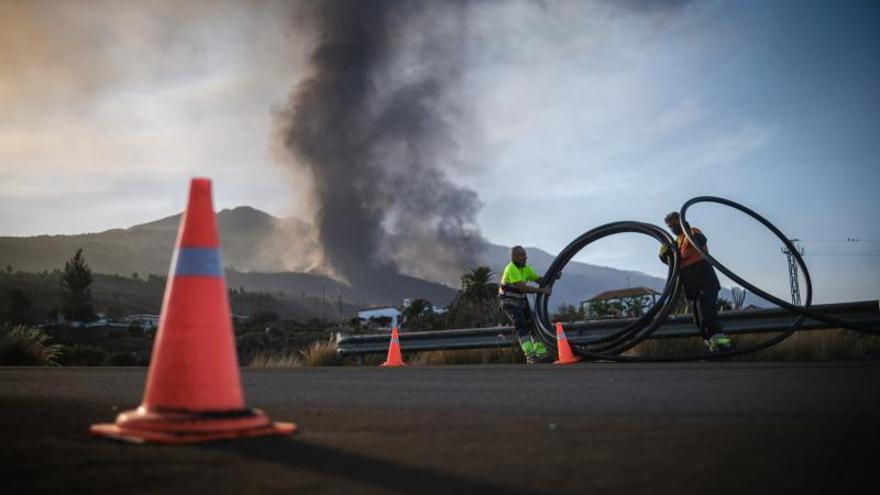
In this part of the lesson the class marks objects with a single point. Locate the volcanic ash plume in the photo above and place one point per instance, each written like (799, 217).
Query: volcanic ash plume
(370, 131)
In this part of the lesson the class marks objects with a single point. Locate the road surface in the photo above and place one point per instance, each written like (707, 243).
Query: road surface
(715, 428)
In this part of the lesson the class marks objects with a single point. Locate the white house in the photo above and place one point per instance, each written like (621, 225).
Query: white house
(390, 312)
(145, 322)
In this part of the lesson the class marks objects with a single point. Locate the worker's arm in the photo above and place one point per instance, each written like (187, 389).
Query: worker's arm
(528, 289)
(542, 280)
(664, 253)
(700, 240)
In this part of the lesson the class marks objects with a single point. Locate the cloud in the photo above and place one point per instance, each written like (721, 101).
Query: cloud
(98, 95)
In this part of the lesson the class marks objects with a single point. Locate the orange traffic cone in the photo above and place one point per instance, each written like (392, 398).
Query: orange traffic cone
(193, 390)
(563, 349)
(394, 358)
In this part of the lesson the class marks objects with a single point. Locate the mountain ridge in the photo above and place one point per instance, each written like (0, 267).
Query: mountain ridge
(253, 255)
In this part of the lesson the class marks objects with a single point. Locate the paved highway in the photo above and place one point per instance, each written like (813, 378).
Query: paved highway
(739, 428)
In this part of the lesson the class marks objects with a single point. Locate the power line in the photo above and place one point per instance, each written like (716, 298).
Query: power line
(849, 255)
(848, 239)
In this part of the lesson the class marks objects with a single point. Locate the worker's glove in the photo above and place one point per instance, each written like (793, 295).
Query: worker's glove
(665, 253)
(664, 250)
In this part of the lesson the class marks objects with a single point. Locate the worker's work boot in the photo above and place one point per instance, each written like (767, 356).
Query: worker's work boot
(541, 354)
(719, 342)
(528, 349)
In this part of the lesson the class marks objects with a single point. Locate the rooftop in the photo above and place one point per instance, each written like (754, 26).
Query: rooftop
(624, 293)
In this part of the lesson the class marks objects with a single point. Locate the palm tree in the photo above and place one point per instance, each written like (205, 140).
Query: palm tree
(477, 303)
(476, 284)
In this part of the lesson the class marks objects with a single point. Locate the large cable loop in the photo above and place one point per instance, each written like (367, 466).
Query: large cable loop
(629, 336)
(804, 310)
(611, 346)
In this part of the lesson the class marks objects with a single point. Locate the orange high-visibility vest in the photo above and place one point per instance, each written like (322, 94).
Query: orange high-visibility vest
(686, 251)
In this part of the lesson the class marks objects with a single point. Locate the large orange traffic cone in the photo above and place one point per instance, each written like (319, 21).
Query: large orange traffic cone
(193, 390)
(394, 358)
(562, 347)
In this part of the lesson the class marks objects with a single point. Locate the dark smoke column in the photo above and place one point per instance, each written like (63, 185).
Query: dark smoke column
(371, 126)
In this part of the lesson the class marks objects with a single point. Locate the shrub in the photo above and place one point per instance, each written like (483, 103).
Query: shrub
(274, 360)
(25, 346)
(83, 355)
(321, 353)
(122, 359)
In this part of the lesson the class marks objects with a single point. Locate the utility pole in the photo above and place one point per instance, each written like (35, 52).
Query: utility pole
(323, 306)
(793, 271)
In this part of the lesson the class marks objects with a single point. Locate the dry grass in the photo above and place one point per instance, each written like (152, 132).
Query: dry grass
(808, 345)
(321, 353)
(667, 347)
(25, 346)
(503, 355)
(820, 345)
(270, 360)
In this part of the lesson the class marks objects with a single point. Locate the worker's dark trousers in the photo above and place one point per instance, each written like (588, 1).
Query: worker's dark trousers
(706, 313)
(520, 318)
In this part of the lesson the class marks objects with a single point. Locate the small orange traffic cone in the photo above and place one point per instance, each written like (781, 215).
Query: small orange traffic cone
(563, 349)
(193, 390)
(394, 358)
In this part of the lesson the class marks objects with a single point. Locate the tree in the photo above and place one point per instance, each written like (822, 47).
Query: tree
(739, 297)
(476, 304)
(115, 309)
(75, 292)
(568, 312)
(8, 268)
(19, 307)
(724, 304)
(476, 283)
(416, 309)
(380, 321)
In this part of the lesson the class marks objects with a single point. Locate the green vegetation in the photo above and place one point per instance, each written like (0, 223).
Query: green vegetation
(274, 330)
(83, 355)
(23, 346)
(76, 294)
(476, 304)
(569, 312)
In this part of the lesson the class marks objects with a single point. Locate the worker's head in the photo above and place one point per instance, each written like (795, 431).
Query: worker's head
(518, 256)
(673, 221)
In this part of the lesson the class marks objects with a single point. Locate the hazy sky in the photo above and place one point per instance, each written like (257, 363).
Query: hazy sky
(574, 114)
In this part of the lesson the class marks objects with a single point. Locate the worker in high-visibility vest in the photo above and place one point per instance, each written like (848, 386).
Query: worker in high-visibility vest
(699, 282)
(512, 294)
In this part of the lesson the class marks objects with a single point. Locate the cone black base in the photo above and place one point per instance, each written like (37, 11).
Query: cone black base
(140, 426)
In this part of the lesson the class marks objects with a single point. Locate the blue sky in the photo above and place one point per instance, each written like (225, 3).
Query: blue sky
(578, 113)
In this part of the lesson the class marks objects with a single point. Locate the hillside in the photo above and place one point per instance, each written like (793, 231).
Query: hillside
(255, 245)
(118, 296)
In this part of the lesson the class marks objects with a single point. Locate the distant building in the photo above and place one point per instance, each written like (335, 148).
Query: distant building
(388, 312)
(620, 303)
(143, 321)
(436, 309)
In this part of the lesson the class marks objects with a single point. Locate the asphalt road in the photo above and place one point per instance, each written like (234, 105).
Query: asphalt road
(592, 428)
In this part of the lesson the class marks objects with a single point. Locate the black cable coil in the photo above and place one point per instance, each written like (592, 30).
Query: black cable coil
(610, 347)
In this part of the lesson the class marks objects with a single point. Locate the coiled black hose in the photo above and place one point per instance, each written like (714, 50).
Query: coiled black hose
(611, 346)
(802, 310)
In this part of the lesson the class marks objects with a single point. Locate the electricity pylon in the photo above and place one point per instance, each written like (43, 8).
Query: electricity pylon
(793, 271)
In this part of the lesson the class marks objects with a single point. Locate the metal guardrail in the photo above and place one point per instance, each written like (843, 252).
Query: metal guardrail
(734, 322)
